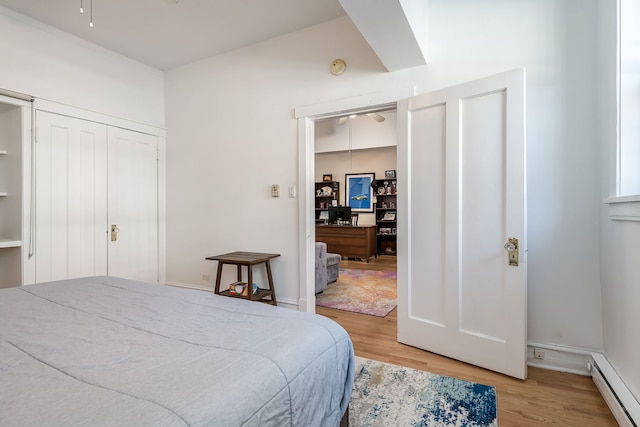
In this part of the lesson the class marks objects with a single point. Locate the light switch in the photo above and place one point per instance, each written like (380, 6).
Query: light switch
(292, 191)
(275, 190)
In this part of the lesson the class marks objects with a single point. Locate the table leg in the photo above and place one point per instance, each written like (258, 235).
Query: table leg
(239, 275)
(218, 278)
(270, 279)
(250, 282)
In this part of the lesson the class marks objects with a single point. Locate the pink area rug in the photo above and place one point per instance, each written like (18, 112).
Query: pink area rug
(361, 291)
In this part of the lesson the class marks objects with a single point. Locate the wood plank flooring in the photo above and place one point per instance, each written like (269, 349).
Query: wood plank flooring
(545, 398)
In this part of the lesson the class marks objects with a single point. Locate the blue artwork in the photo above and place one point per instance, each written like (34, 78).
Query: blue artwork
(359, 192)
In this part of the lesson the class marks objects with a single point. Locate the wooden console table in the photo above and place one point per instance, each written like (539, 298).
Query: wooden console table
(349, 241)
(248, 259)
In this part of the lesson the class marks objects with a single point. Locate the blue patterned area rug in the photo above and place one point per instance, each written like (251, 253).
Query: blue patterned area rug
(389, 395)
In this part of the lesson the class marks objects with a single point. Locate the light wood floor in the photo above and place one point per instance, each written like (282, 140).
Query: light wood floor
(544, 398)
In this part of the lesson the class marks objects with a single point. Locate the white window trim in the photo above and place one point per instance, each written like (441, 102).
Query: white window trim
(625, 208)
(621, 208)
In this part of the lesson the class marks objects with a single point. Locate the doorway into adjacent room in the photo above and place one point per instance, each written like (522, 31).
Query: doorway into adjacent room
(355, 169)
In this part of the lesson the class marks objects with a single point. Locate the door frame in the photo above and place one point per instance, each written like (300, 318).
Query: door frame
(306, 117)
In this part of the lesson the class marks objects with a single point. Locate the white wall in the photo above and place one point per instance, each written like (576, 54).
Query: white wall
(232, 135)
(44, 62)
(620, 240)
(232, 132)
(70, 76)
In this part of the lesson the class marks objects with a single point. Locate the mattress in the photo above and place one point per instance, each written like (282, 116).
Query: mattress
(109, 351)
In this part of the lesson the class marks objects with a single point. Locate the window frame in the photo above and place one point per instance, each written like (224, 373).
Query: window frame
(621, 207)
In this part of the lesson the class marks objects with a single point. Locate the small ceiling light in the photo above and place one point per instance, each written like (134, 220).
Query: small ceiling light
(91, 13)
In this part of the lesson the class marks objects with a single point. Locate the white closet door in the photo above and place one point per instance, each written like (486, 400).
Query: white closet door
(133, 205)
(71, 198)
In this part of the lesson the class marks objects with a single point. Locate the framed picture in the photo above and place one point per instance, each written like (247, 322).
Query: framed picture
(390, 173)
(358, 191)
(324, 215)
(326, 178)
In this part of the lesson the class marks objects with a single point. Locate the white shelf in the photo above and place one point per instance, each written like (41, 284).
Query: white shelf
(3, 152)
(6, 243)
(3, 194)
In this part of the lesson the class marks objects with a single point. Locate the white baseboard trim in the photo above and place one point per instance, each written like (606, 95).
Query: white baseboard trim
(190, 286)
(282, 302)
(560, 358)
(288, 303)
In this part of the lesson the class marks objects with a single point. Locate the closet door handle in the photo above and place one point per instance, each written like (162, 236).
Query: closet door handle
(114, 232)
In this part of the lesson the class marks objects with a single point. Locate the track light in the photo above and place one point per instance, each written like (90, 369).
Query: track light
(90, 12)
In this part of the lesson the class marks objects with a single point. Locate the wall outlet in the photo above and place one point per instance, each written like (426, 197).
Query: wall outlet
(538, 354)
(275, 190)
(205, 277)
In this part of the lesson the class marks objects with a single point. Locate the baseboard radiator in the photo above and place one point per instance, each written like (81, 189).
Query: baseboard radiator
(623, 404)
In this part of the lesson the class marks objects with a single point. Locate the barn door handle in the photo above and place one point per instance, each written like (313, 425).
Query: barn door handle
(114, 232)
(512, 248)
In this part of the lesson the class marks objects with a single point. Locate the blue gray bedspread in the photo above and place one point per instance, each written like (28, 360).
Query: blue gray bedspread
(114, 352)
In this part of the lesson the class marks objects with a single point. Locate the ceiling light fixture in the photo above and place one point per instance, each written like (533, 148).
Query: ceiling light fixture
(375, 116)
(90, 12)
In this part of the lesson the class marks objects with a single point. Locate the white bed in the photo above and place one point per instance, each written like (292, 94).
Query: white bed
(109, 351)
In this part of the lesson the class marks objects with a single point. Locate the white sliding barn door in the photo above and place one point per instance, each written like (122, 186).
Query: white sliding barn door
(71, 198)
(461, 160)
(133, 205)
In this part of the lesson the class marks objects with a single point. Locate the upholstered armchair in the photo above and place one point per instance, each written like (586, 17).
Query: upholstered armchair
(327, 267)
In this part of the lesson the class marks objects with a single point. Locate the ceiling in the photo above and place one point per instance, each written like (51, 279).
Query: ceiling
(169, 33)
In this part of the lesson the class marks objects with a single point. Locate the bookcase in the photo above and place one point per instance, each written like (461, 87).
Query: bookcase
(12, 115)
(326, 193)
(386, 216)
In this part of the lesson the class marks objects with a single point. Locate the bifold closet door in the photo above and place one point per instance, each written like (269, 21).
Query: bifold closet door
(133, 205)
(71, 197)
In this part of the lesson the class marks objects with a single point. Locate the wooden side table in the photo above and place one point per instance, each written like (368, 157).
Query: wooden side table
(248, 259)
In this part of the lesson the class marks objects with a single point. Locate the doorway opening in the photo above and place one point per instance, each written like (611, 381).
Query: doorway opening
(355, 162)
(307, 117)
